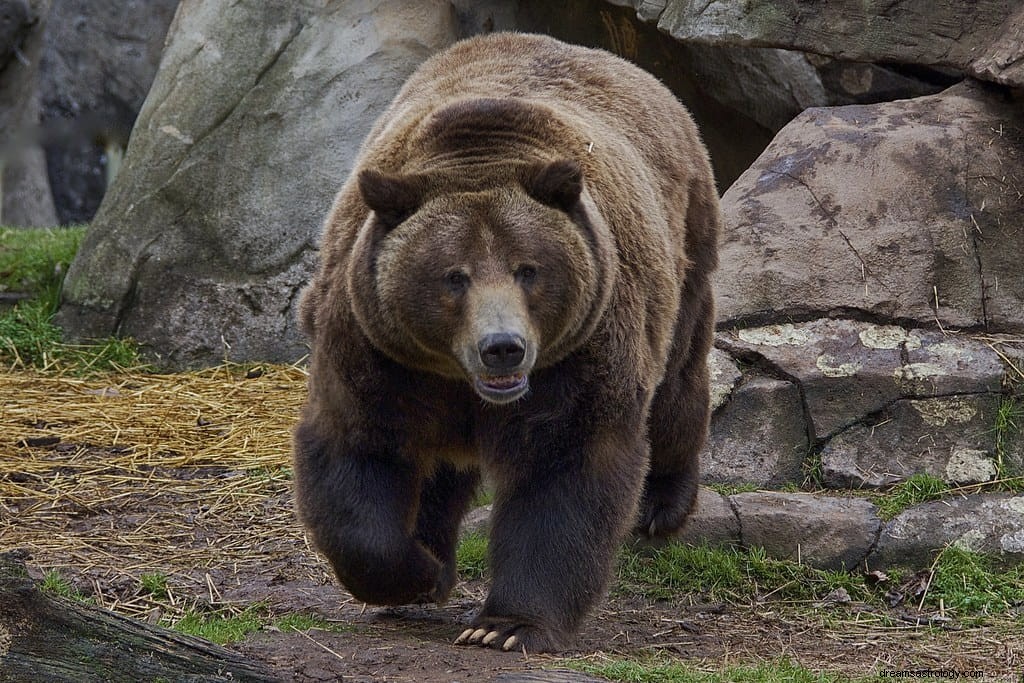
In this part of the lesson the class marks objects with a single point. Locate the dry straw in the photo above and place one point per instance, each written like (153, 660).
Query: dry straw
(107, 479)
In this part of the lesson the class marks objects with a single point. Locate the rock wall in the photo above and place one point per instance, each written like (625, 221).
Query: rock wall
(863, 336)
(982, 38)
(24, 190)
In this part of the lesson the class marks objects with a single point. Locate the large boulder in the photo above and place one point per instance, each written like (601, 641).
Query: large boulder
(982, 37)
(98, 62)
(906, 210)
(25, 199)
(252, 123)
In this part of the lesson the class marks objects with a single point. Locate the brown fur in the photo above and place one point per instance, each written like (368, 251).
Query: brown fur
(528, 205)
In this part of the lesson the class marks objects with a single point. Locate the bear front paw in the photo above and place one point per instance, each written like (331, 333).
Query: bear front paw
(510, 635)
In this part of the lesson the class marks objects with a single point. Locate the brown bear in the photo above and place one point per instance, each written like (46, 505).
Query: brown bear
(514, 279)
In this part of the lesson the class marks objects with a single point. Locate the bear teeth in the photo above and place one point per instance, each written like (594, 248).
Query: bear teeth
(503, 381)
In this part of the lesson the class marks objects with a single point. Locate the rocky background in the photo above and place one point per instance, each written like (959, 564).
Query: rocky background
(870, 155)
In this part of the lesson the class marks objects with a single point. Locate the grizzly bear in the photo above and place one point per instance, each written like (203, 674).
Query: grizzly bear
(513, 280)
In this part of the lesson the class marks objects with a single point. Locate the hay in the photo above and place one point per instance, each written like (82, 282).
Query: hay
(181, 475)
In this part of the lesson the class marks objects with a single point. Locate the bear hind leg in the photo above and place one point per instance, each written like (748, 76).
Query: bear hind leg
(678, 426)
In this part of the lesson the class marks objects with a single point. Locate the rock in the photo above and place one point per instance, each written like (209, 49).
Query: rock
(25, 199)
(209, 231)
(725, 375)
(926, 236)
(981, 37)
(829, 533)
(758, 437)
(992, 524)
(476, 521)
(848, 369)
(98, 62)
(951, 438)
(716, 84)
(1003, 60)
(713, 521)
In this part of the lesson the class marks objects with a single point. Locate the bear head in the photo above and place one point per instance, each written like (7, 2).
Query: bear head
(484, 273)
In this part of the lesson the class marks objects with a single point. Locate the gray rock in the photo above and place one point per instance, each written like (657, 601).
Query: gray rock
(981, 37)
(713, 521)
(758, 437)
(477, 521)
(204, 239)
(724, 374)
(950, 437)
(739, 97)
(25, 199)
(850, 369)
(986, 523)
(830, 533)
(923, 236)
(98, 62)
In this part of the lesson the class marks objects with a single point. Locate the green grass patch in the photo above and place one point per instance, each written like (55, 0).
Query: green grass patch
(733, 489)
(920, 488)
(55, 584)
(302, 622)
(1008, 428)
(155, 584)
(221, 628)
(471, 556)
(34, 262)
(659, 670)
(969, 585)
(727, 574)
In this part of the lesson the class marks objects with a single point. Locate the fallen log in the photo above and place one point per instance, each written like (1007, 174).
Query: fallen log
(47, 638)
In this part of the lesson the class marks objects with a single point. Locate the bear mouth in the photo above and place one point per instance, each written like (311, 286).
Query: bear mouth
(501, 388)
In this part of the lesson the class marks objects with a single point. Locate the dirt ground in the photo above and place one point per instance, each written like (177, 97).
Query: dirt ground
(105, 507)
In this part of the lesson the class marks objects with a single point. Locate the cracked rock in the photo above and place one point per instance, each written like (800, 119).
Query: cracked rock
(985, 523)
(850, 369)
(951, 438)
(983, 38)
(830, 533)
(902, 210)
(758, 437)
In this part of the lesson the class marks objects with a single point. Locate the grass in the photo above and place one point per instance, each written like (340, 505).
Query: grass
(222, 627)
(1008, 425)
(727, 574)
(919, 488)
(969, 585)
(661, 670)
(34, 262)
(471, 556)
(155, 584)
(55, 584)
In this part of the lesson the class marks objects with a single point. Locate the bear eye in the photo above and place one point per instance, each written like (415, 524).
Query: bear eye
(456, 280)
(526, 274)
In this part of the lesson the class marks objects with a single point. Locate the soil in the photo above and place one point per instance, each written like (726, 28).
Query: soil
(225, 538)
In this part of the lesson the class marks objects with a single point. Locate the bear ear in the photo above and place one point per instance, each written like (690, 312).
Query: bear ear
(392, 197)
(558, 183)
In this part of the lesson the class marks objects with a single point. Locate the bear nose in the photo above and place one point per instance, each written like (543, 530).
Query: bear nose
(502, 351)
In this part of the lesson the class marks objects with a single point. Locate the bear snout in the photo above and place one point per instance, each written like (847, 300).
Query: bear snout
(502, 351)
(499, 371)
